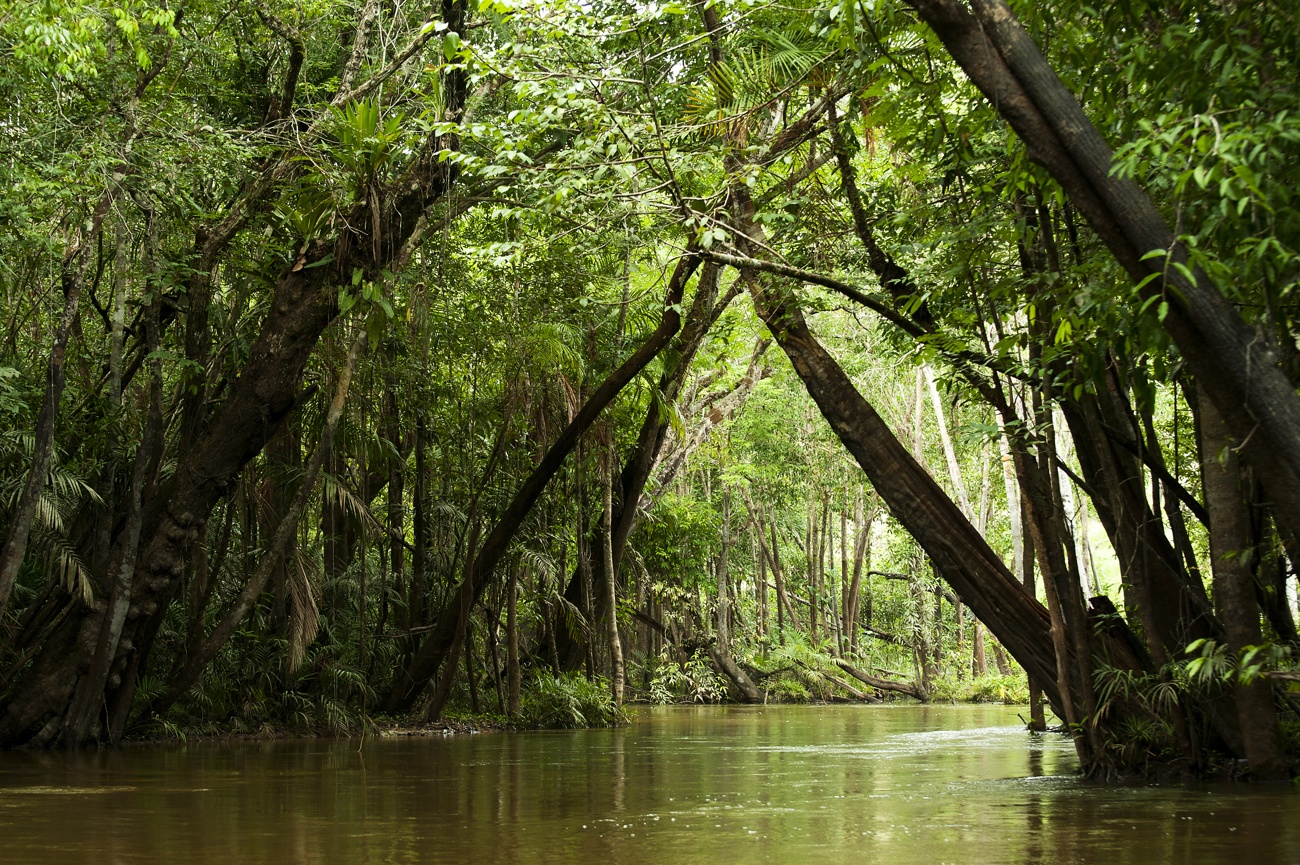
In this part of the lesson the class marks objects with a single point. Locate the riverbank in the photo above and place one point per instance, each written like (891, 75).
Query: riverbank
(463, 723)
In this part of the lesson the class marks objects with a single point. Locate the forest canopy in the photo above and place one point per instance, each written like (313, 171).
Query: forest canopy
(384, 359)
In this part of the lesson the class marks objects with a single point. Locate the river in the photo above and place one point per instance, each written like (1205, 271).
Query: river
(679, 785)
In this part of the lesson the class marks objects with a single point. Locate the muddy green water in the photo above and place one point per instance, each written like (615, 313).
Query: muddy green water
(898, 784)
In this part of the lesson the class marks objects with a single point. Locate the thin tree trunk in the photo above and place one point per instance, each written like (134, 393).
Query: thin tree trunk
(979, 665)
(724, 597)
(419, 556)
(861, 562)
(760, 589)
(471, 677)
(86, 703)
(1037, 717)
(845, 604)
(616, 673)
(512, 645)
(75, 265)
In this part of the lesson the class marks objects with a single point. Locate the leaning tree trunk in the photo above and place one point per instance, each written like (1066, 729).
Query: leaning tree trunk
(964, 558)
(1235, 364)
(304, 303)
(705, 308)
(447, 634)
(273, 556)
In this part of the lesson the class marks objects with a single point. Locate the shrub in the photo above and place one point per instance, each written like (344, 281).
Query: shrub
(692, 682)
(569, 701)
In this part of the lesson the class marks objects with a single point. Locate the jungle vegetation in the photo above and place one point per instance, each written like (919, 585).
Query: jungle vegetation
(369, 359)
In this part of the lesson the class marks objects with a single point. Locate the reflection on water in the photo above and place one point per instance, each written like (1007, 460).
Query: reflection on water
(897, 784)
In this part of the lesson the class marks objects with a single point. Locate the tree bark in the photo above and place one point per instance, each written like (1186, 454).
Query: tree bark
(1235, 364)
(304, 303)
(880, 684)
(512, 645)
(189, 674)
(1234, 591)
(724, 600)
(611, 578)
(964, 558)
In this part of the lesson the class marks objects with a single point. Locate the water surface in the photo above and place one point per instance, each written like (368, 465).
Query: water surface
(888, 784)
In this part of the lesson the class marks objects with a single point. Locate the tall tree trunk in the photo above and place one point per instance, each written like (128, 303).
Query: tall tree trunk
(979, 664)
(86, 702)
(810, 573)
(724, 597)
(760, 587)
(396, 506)
(1237, 365)
(1234, 590)
(611, 577)
(512, 645)
(861, 562)
(778, 582)
(1037, 717)
(843, 625)
(419, 556)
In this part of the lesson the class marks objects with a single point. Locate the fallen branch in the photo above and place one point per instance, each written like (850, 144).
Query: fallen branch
(904, 578)
(647, 619)
(888, 638)
(912, 690)
(840, 683)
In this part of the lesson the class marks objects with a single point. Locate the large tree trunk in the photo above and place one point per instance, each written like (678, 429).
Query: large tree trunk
(964, 559)
(1235, 364)
(78, 722)
(1234, 591)
(272, 558)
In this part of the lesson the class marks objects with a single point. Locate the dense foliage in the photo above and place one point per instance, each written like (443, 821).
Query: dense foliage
(375, 358)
